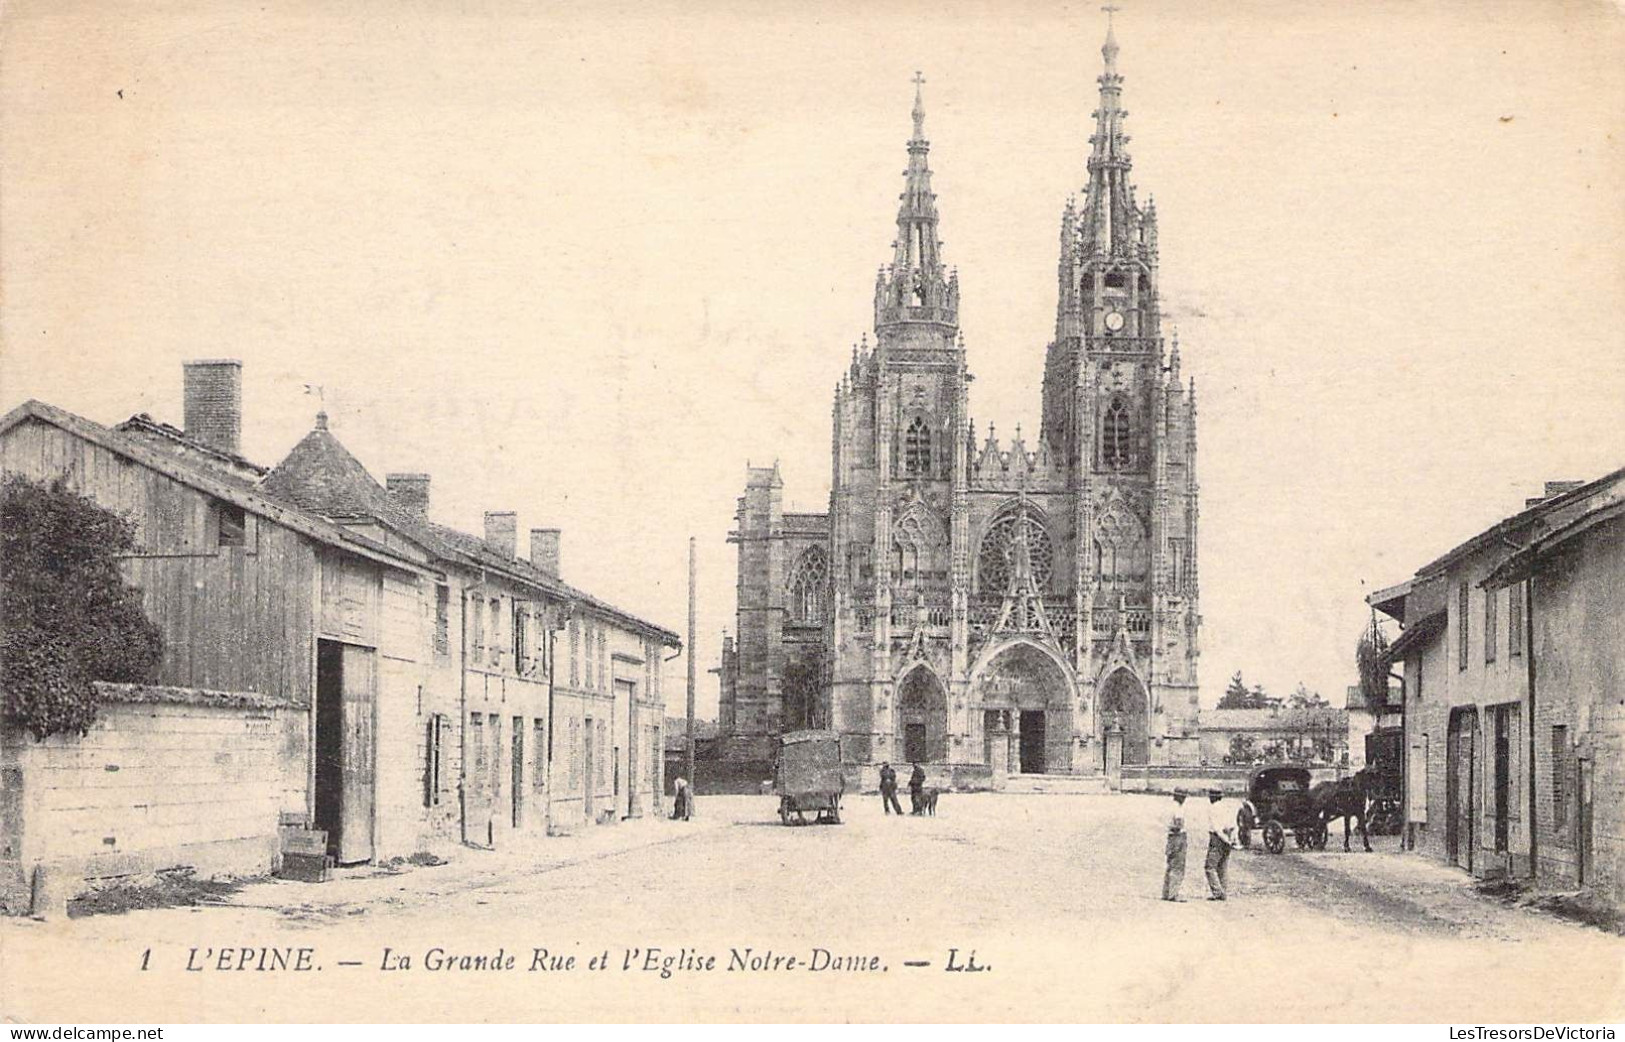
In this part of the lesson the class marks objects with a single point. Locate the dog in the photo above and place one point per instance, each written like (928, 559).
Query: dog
(928, 801)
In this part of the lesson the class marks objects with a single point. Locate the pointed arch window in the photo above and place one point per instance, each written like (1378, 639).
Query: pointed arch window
(1117, 436)
(1122, 557)
(917, 447)
(809, 586)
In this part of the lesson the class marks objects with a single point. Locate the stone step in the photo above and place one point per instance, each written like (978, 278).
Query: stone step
(1064, 784)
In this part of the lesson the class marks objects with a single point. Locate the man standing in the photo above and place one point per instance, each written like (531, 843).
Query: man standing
(1221, 830)
(916, 787)
(1173, 875)
(888, 790)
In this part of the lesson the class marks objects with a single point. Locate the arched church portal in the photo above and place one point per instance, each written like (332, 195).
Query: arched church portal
(1125, 703)
(922, 717)
(1026, 700)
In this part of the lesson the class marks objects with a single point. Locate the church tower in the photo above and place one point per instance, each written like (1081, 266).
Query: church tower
(1115, 410)
(899, 469)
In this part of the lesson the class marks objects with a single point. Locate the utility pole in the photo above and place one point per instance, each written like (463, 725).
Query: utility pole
(690, 743)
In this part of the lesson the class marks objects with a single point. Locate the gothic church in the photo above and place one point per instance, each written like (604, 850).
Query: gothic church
(990, 608)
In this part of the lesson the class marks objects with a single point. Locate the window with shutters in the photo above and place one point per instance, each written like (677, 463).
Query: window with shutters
(1515, 595)
(521, 640)
(442, 619)
(1490, 605)
(433, 740)
(1461, 626)
(494, 644)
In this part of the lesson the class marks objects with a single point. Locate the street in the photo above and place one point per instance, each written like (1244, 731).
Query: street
(1022, 907)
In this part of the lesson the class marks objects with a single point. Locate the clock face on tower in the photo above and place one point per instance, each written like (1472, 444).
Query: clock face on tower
(1114, 321)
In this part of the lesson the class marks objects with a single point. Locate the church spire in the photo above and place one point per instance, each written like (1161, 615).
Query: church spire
(916, 287)
(1110, 200)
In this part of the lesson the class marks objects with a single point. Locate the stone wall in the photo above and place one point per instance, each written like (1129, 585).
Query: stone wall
(166, 777)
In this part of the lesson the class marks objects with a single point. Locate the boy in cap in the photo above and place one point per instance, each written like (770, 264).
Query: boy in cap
(1174, 874)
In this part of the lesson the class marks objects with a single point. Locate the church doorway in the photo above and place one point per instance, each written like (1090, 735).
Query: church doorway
(1030, 695)
(1125, 704)
(1032, 741)
(922, 716)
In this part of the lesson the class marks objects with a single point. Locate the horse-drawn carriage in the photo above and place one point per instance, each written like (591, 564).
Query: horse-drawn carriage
(807, 777)
(1282, 800)
(1278, 803)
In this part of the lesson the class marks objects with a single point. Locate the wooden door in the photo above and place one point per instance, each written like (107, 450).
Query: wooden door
(1583, 836)
(1033, 731)
(1460, 791)
(1502, 782)
(914, 750)
(358, 764)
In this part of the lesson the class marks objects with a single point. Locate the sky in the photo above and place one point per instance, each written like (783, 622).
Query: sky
(587, 261)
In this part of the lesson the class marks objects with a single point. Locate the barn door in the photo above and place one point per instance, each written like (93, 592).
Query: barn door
(357, 763)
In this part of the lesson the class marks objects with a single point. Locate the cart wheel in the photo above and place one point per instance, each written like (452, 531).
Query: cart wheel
(1274, 837)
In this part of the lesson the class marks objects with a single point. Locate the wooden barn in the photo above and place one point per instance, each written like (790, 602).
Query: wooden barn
(254, 596)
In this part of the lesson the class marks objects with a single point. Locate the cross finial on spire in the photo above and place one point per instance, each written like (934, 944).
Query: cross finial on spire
(919, 105)
(1109, 50)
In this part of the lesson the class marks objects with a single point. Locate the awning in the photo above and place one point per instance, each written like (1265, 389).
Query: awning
(1424, 630)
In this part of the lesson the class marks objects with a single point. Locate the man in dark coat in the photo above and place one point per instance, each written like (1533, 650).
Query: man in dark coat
(916, 787)
(888, 790)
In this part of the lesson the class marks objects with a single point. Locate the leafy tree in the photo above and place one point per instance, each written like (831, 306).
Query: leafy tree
(1243, 748)
(67, 617)
(1239, 696)
(1303, 698)
(1373, 667)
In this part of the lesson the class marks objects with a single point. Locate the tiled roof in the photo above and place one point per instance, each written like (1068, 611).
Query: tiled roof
(319, 474)
(1517, 521)
(174, 440)
(187, 470)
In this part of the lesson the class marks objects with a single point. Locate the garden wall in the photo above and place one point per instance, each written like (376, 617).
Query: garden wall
(166, 777)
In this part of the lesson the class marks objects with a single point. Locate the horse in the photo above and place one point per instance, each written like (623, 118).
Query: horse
(1345, 798)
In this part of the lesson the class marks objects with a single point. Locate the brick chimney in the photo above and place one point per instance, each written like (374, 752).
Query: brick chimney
(410, 492)
(544, 550)
(214, 403)
(502, 531)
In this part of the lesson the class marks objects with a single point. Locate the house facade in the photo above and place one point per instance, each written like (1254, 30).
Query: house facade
(417, 661)
(1575, 582)
(1473, 793)
(1295, 734)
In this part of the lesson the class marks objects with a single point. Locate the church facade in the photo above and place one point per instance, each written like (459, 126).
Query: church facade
(1028, 606)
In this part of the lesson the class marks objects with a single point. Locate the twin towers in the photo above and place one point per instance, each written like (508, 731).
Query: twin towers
(990, 608)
